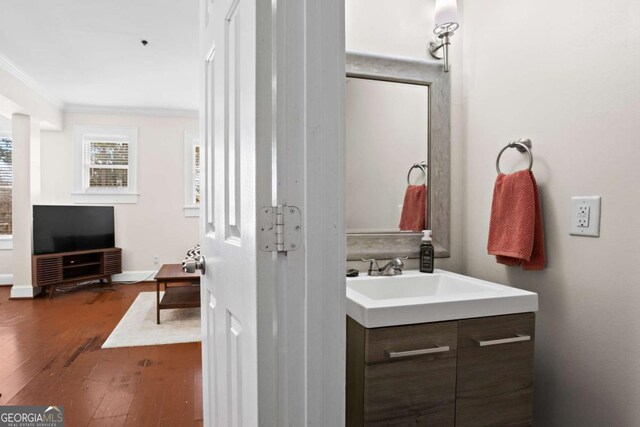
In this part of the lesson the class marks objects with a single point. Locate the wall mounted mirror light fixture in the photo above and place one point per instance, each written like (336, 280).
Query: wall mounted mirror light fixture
(446, 23)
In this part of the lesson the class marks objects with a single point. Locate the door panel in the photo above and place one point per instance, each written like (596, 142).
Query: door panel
(234, 369)
(209, 113)
(230, 279)
(233, 118)
(209, 348)
(495, 376)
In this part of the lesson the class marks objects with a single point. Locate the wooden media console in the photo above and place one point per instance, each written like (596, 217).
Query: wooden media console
(67, 268)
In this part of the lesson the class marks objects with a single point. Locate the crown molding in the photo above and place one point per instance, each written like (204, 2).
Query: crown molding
(130, 111)
(17, 72)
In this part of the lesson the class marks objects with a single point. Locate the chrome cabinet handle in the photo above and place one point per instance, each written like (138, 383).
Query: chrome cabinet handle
(517, 338)
(436, 349)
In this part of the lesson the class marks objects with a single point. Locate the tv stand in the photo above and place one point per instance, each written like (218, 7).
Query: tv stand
(67, 268)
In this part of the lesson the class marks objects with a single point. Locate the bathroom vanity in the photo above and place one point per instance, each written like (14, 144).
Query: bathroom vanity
(436, 349)
(472, 370)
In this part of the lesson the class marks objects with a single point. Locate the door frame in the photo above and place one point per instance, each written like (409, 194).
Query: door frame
(307, 38)
(301, 294)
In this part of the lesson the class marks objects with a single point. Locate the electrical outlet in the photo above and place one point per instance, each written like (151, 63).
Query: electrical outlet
(585, 216)
(156, 260)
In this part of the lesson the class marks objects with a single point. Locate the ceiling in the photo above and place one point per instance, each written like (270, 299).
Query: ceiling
(89, 52)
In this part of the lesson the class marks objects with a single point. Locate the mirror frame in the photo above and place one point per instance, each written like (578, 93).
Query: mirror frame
(419, 72)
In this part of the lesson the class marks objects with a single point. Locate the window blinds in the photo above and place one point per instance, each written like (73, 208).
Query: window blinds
(196, 174)
(6, 184)
(107, 163)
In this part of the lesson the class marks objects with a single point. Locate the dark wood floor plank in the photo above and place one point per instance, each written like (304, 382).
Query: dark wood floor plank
(50, 354)
(197, 392)
(25, 373)
(177, 405)
(109, 422)
(146, 406)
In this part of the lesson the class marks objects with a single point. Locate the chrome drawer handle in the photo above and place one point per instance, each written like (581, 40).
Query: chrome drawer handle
(517, 338)
(436, 349)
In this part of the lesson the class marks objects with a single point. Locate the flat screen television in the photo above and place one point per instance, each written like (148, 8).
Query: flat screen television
(72, 228)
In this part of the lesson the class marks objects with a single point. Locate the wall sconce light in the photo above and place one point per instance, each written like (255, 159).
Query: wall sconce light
(446, 23)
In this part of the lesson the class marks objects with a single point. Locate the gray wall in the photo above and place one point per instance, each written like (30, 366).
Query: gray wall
(566, 75)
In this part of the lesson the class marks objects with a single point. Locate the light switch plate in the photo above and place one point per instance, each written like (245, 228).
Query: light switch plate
(585, 216)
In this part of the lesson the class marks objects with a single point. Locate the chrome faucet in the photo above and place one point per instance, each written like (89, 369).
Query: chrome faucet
(392, 268)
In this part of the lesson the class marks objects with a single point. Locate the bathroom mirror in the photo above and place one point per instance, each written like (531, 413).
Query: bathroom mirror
(387, 127)
(398, 115)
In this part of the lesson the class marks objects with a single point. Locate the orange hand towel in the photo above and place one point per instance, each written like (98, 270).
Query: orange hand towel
(414, 208)
(516, 233)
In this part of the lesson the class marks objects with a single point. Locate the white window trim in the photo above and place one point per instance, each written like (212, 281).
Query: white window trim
(190, 141)
(6, 242)
(81, 193)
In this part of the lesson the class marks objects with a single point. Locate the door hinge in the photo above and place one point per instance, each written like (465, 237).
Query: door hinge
(279, 229)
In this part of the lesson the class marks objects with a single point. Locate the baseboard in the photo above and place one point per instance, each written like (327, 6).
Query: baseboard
(133, 276)
(24, 292)
(21, 292)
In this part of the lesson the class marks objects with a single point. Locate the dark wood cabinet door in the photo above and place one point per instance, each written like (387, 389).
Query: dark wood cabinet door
(113, 261)
(409, 375)
(495, 371)
(47, 270)
(415, 392)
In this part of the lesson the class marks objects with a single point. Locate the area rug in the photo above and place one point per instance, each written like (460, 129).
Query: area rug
(138, 326)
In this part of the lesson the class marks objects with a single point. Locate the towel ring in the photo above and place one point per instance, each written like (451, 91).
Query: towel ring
(422, 166)
(522, 145)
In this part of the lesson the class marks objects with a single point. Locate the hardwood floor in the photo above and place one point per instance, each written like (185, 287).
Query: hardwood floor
(50, 355)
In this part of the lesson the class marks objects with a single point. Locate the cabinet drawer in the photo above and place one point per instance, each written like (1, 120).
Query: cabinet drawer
(433, 340)
(495, 371)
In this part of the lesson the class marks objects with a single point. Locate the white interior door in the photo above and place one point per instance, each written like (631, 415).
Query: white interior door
(228, 238)
(271, 126)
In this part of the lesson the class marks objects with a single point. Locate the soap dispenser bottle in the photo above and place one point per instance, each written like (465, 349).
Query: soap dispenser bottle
(426, 253)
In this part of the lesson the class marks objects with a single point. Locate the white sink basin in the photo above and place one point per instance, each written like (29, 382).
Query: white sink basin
(416, 297)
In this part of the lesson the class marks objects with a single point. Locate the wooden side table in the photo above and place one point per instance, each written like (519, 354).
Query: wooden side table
(183, 296)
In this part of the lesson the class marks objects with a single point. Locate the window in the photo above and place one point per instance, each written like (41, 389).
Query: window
(192, 174)
(105, 164)
(6, 188)
(196, 174)
(108, 163)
